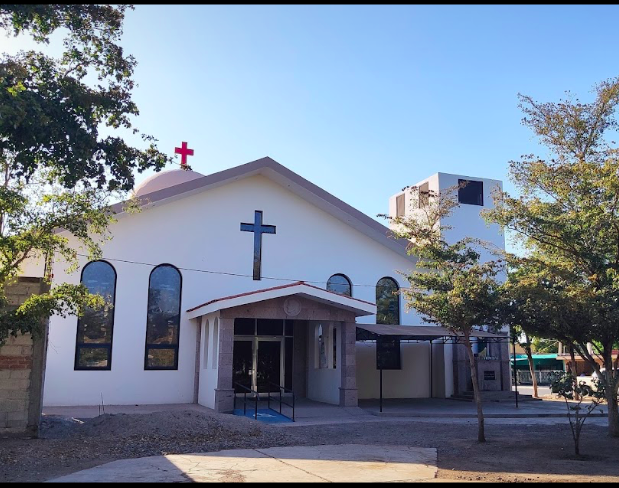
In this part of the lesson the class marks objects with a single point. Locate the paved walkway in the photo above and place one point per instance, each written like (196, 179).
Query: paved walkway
(528, 390)
(308, 412)
(447, 408)
(325, 463)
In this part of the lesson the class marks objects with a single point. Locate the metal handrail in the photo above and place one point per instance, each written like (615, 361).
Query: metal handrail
(255, 392)
(281, 388)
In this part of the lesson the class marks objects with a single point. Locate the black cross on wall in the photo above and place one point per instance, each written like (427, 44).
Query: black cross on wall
(258, 229)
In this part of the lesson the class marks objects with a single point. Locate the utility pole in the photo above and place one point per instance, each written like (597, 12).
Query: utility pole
(514, 368)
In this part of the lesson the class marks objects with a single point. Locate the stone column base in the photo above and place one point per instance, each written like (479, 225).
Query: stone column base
(224, 400)
(348, 397)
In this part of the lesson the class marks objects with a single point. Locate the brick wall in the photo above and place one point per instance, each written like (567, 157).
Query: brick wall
(22, 362)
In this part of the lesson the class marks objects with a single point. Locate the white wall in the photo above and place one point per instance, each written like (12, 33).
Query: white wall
(410, 198)
(203, 232)
(208, 360)
(412, 381)
(323, 384)
(466, 220)
(33, 266)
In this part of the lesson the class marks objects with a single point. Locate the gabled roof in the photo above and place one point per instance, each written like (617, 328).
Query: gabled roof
(288, 179)
(299, 288)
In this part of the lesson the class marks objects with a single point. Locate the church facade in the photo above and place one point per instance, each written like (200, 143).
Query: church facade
(252, 278)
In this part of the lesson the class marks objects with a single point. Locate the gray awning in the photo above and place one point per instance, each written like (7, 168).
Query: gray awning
(416, 332)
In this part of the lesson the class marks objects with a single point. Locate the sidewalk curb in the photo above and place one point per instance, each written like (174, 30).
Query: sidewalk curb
(474, 416)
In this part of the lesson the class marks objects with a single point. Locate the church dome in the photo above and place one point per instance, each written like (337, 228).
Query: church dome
(165, 179)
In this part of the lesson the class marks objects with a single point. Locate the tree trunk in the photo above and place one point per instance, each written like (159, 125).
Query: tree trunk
(609, 382)
(527, 349)
(613, 414)
(574, 371)
(611, 395)
(476, 393)
(577, 436)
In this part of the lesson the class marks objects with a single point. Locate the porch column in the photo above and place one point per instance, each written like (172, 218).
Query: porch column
(348, 388)
(224, 393)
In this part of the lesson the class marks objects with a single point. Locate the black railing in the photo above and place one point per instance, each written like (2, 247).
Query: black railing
(281, 402)
(245, 391)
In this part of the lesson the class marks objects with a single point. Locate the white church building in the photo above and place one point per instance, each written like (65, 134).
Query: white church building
(253, 278)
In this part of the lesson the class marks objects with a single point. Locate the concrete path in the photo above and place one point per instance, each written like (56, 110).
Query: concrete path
(451, 409)
(325, 463)
(309, 412)
(528, 390)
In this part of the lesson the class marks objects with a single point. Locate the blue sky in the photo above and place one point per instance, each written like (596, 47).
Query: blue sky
(361, 100)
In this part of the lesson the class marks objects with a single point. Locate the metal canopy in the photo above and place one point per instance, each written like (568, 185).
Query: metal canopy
(431, 333)
(370, 332)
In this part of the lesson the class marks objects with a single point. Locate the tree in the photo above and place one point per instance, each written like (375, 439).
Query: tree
(570, 389)
(544, 346)
(450, 286)
(568, 216)
(524, 308)
(56, 169)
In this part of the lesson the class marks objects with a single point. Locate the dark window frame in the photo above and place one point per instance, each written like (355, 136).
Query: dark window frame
(174, 347)
(462, 184)
(396, 298)
(388, 353)
(489, 375)
(255, 332)
(346, 278)
(424, 195)
(85, 345)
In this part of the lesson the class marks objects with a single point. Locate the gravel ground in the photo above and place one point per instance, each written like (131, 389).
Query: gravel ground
(512, 453)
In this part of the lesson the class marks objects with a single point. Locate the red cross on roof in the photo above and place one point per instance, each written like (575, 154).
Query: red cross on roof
(184, 152)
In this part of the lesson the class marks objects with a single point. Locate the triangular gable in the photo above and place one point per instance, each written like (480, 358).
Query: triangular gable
(299, 288)
(288, 179)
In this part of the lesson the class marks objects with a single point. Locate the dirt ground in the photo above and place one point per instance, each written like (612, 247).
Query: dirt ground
(512, 452)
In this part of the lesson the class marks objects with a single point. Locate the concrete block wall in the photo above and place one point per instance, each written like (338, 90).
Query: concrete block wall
(22, 360)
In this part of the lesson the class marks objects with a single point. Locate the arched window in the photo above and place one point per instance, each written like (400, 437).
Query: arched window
(163, 318)
(387, 302)
(339, 283)
(94, 329)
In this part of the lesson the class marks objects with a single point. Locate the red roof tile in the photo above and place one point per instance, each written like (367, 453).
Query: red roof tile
(289, 285)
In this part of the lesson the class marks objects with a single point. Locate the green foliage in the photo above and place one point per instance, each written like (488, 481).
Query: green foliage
(571, 390)
(568, 387)
(38, 219)
(450, 286)
(62, 300)
(58, 174)
(544, 346)
(50, 118)
(567, 216)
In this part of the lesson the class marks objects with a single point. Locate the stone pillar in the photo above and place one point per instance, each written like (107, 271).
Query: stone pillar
(348, 388)
(224, 393)
(196, 379)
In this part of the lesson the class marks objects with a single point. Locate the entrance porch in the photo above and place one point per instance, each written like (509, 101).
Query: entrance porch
(295, 337)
